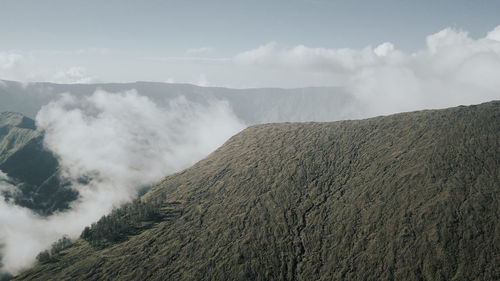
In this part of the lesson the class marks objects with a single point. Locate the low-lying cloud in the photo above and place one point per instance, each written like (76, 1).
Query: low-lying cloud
(122, 142)
(6, 185)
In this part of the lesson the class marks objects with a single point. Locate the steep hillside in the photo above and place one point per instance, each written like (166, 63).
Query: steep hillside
(33, 169)
(413, 196)
(15, 130)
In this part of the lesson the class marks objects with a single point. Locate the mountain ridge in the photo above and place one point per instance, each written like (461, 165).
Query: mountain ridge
(252, 106)
(407, 196)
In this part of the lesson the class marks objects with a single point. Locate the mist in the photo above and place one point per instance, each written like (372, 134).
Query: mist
(121, 142)
(6, 184)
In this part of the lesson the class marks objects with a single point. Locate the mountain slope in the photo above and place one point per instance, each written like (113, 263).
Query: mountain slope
(34, 169)
(413, 196)
(15, 131)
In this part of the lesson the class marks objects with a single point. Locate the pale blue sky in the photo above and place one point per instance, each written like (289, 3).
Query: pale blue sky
(106, 37)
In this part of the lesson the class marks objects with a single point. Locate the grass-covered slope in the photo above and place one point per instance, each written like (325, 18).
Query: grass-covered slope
(34, 169)
(413, 196)
(15, 131)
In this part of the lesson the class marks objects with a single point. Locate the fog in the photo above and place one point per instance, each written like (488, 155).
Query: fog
(122, 142)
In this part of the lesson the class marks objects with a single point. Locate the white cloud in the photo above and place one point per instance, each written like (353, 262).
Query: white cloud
(310, 59)
(447, 38)
(77, 52)
(199, 51)
(5, 184)
(453, 69)
(302, 57)
(91, 51)
(11, 65)
(195, 59)
(59, 66)
(384, 49)
(262, 55)
(9, 60)
(148, 141)
(73, 75)
(27, 67)
(494, 34)
(123, 141)
(202, 81)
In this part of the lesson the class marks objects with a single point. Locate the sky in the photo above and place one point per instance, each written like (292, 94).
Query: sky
(197, 41)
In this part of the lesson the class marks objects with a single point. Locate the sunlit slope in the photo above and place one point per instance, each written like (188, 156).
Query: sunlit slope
(413, 196)
(15, 131)
(33, 169)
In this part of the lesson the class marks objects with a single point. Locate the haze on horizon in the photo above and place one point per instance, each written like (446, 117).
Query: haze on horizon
(236, 44)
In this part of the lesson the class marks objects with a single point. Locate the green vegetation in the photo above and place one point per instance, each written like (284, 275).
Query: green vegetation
(413, 196)
(49, 256)
(34, 169)
(121, 223)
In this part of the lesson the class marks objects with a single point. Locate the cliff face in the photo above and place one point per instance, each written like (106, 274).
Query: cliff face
(413, 196)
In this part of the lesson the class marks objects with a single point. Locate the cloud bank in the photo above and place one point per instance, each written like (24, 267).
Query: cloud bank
(453, 69)
(122, 141)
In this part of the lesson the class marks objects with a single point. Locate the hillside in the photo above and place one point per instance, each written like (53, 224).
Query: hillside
(34, 170)
(412, 196)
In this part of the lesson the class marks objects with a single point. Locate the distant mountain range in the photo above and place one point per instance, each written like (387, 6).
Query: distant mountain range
(31, 168)
(412, 196)
(253, 106)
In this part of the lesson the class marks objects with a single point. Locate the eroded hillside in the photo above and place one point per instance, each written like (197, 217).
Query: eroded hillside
(413, 196)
